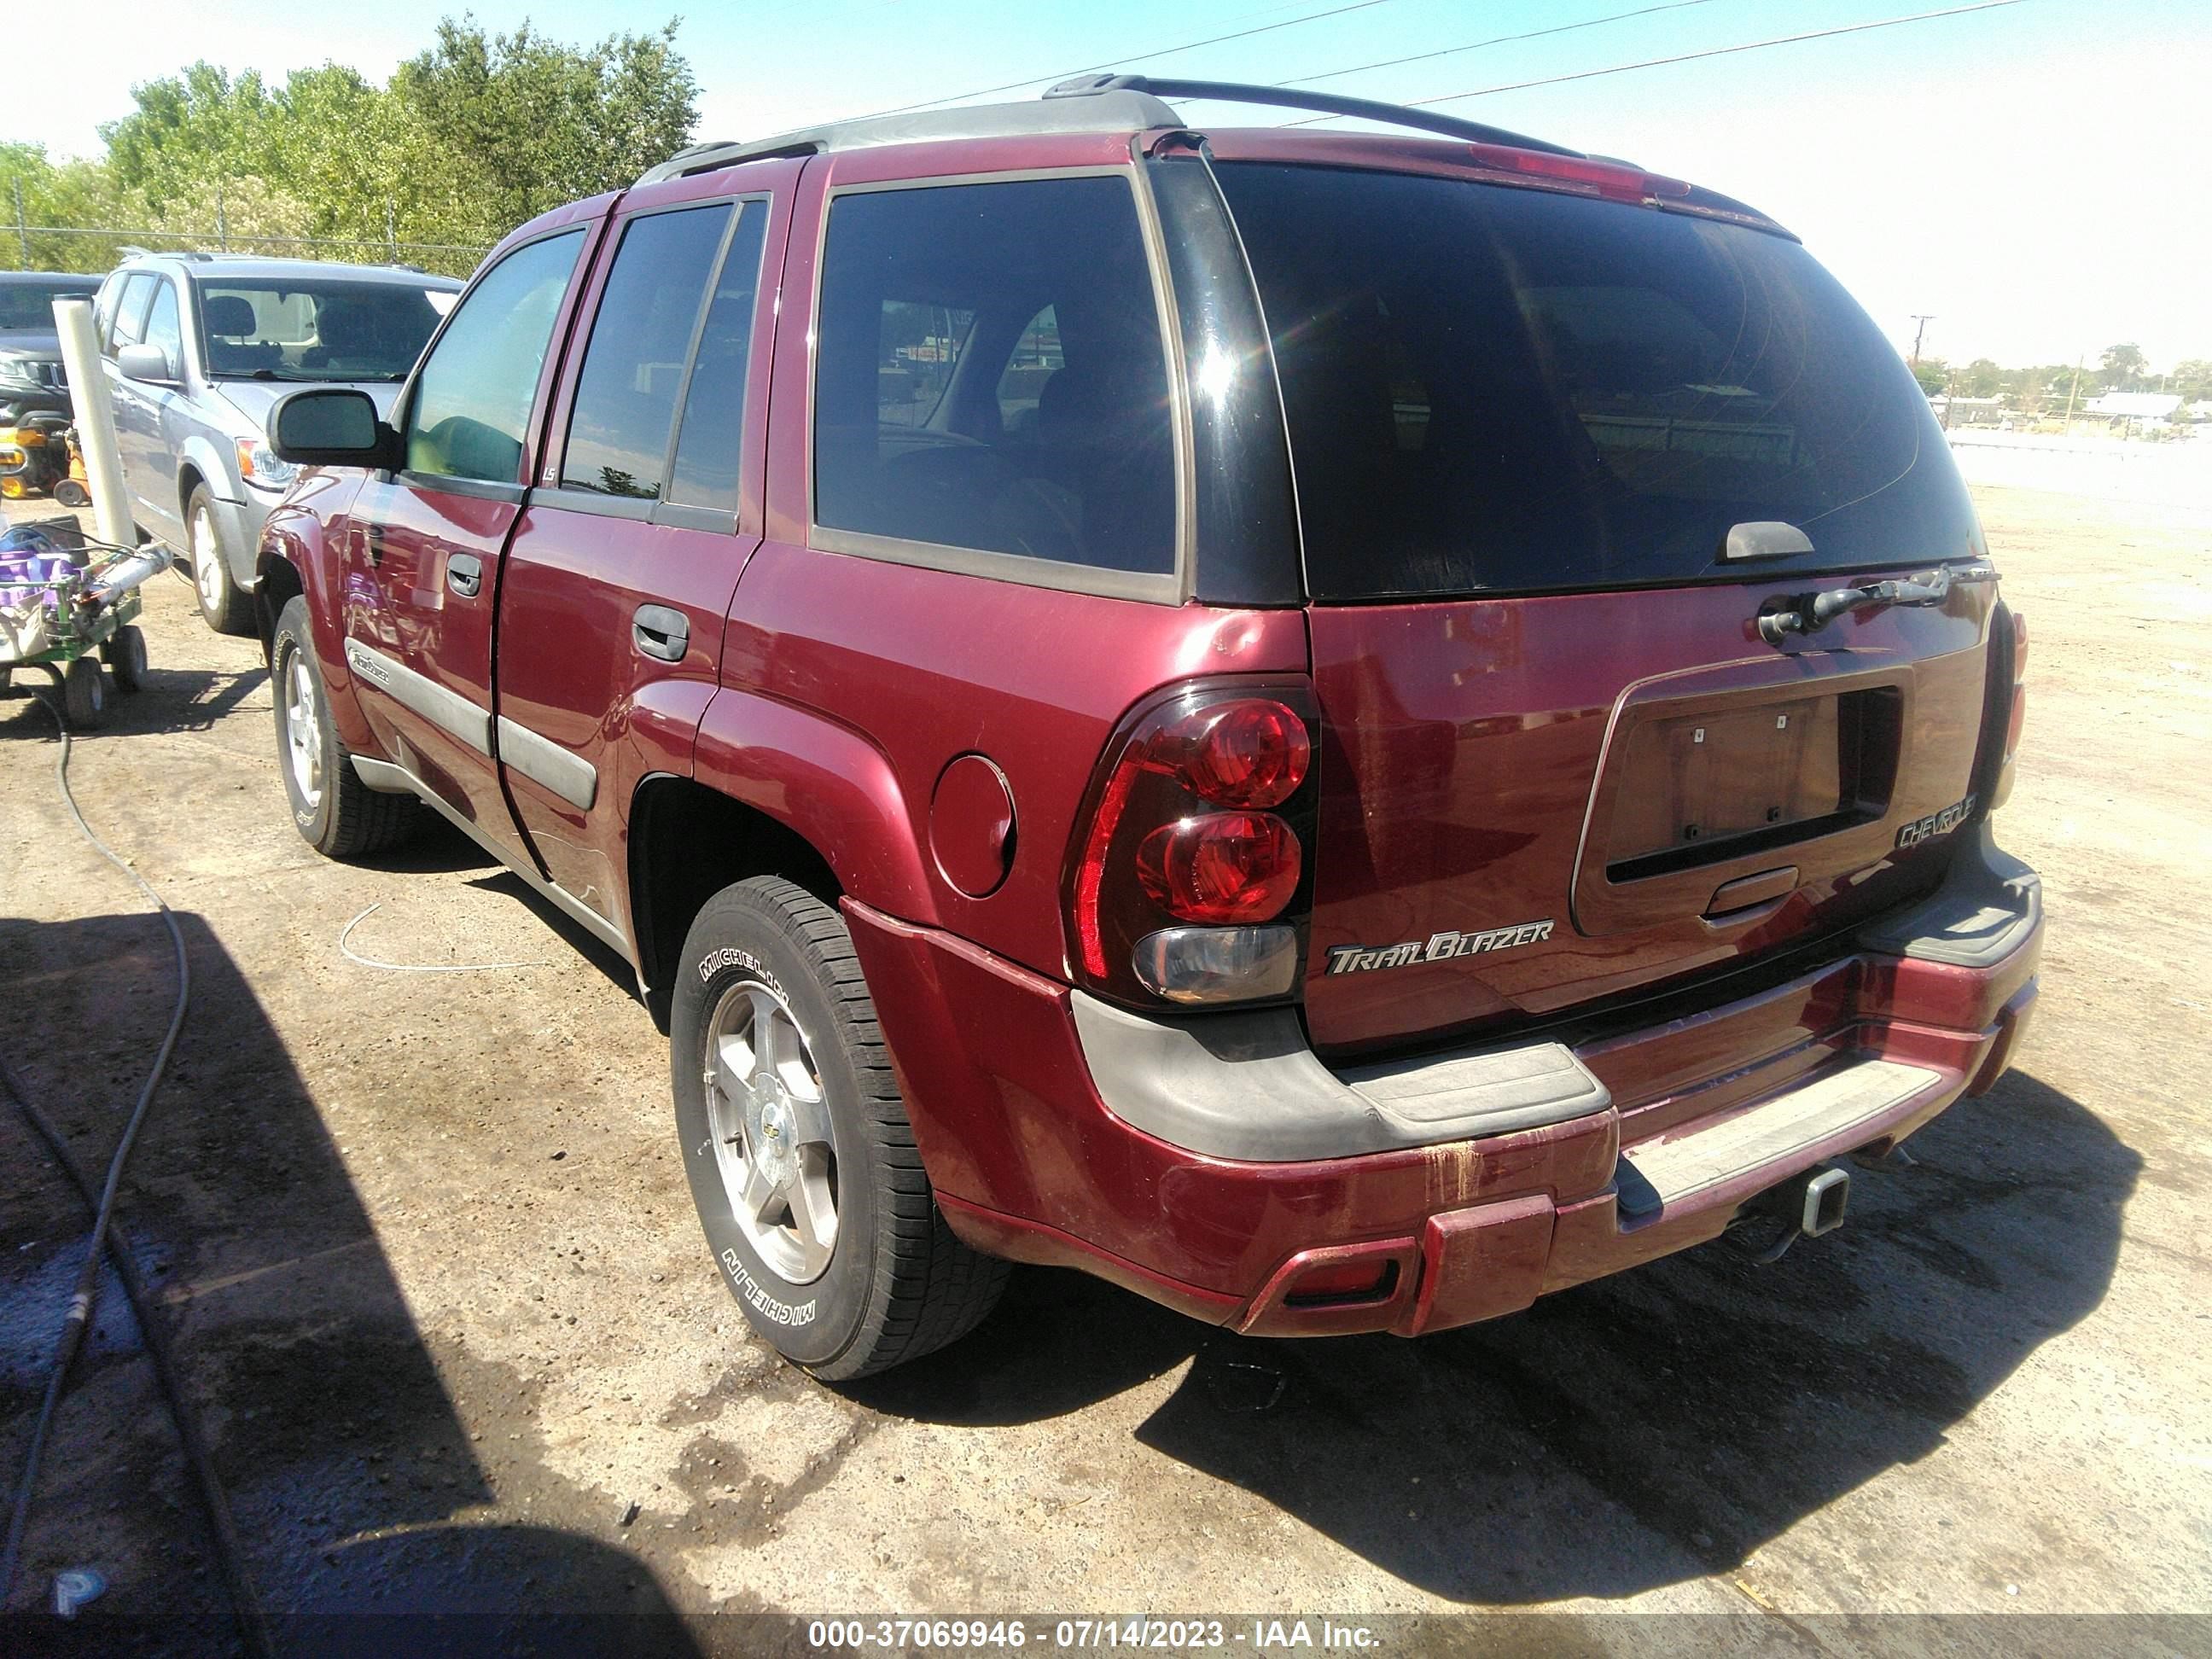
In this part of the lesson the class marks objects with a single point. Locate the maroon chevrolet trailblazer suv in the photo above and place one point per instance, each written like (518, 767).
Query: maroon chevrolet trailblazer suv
(1341, 729)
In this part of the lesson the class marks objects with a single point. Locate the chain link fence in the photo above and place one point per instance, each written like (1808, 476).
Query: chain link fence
(94, 249)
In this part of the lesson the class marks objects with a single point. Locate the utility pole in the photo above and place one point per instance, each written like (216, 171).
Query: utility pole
(2072, 395)
(391, 235)
(222, 222)
(1923, 321)
(22, 225)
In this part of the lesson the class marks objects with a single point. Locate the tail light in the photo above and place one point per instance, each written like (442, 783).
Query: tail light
(1189, 880)
(2008, 700)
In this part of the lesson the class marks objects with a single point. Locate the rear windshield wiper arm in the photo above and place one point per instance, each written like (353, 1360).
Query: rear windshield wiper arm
(1819, 610)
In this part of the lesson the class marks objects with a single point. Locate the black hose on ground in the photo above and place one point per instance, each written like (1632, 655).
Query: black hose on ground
(108, 1240)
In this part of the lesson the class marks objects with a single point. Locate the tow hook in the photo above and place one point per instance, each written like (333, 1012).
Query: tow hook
(1804, 1207)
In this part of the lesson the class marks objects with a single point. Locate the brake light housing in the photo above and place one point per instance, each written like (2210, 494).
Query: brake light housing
(1189, 880)
(2007, 706)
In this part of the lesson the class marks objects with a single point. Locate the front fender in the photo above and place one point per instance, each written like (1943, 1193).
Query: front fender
(199, 456)
(827, 785)
(297, 533)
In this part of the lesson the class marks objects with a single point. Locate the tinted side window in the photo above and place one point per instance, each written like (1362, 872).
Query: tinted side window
(163, 329)
(709, 447)
(472, 399)
(634, 367)
(929, 297)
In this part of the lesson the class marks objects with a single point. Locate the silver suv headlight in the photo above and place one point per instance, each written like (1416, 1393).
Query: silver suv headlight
(258, 466)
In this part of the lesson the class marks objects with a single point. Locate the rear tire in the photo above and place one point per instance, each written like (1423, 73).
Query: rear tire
(335, 813)
(125, 655)
(228, 609)
(819, 1101)
(84, 695)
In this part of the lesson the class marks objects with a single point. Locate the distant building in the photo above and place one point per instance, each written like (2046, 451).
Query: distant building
(1970, 412)
(2134, 409)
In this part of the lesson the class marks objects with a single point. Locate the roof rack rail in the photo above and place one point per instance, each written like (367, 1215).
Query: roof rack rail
(1326, 103)
(1117, 111)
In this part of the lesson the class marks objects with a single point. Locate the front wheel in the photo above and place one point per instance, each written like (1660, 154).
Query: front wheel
(228, 609)
(125, 656)
(338, 814)
(802, 1160)
(84, 694)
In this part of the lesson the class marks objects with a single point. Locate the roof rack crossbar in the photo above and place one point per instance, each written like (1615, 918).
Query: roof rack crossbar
(1326, 103)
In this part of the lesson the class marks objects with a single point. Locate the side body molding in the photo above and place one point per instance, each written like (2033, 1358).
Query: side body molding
(438, 704)
(826, 783)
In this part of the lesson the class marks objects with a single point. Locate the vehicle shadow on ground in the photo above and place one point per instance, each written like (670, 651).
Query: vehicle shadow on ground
(172, 700)
(1643, 1430)
(347, 1464)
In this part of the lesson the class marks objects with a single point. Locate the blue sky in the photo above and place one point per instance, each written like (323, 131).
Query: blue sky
(2031, 175)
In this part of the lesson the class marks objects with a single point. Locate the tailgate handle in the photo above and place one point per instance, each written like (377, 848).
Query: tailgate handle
(1733, 900)
(660, 631)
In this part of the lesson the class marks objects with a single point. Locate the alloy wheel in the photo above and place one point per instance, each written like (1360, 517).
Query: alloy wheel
(773, 1143)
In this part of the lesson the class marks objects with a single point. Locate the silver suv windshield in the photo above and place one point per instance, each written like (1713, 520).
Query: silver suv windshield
(315, 329)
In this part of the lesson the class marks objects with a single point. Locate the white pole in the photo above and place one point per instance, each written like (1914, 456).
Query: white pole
(95, 422)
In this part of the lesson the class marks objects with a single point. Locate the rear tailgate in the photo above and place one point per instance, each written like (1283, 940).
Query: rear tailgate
(1515, 818)
(1556, 452)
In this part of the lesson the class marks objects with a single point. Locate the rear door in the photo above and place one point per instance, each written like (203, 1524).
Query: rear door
(1560, 761)
(624, 564)
(423, 545)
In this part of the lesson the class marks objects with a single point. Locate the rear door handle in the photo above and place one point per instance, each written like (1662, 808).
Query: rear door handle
(465, 574)
(661, 632)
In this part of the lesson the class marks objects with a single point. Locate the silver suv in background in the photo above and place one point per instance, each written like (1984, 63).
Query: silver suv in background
(197, 346)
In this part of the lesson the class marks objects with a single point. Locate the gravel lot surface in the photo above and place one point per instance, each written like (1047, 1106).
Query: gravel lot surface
(424, 1244)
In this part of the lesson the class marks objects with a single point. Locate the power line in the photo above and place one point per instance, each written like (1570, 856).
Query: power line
(1687, 57)
(1497, 40)
(1117, 62)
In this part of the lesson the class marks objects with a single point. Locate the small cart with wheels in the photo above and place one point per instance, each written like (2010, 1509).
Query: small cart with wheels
(71, 609)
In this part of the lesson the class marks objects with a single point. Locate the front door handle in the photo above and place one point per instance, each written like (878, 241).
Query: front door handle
(661, 632)
(465, 574)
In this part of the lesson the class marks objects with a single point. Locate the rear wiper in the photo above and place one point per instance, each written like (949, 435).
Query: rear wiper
(1817, 611)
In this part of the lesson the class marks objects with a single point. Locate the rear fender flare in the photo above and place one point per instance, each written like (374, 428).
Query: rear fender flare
(827, 785)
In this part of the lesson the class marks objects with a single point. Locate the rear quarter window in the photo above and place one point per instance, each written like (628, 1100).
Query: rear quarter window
(991, 376)
(1494, 389)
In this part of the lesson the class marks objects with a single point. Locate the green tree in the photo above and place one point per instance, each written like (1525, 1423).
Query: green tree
(2121, 367)
(1981, 378)
(2193, 379)
(503, 127)
(1932, 373)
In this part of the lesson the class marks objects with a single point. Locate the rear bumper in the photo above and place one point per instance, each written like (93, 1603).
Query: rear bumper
(1009, 1086)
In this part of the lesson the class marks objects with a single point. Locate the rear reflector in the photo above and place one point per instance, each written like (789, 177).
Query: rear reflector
(1356, 1280)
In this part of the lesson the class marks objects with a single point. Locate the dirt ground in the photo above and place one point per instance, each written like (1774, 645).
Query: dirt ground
(424, 1245)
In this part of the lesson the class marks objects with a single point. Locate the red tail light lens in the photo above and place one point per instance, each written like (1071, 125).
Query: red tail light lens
(1201, 813)
(2019, 648)
(1221, 867)
(1253, 752)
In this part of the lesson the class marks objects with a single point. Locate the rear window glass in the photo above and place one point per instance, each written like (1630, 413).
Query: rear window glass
(1500, 389)
(991, 374)
(30, 306)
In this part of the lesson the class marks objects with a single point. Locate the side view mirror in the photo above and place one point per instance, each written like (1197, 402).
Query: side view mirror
(331, 425)
(146, 362)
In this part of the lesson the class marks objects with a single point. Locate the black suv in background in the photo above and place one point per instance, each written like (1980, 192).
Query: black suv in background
(32, 379)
